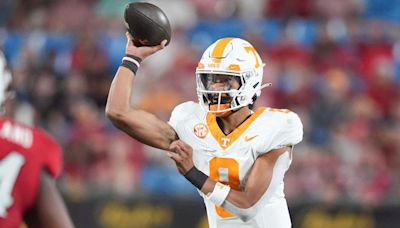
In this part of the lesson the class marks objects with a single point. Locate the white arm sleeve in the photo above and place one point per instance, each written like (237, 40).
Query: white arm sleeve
(245, 214)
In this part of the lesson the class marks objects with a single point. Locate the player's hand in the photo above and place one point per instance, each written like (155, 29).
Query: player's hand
(182, 155)
(141, 52)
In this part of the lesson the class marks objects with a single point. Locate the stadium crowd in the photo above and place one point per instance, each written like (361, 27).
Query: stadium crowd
(336, 63)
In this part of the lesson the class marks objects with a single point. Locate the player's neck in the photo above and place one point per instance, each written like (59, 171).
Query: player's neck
(231, 122)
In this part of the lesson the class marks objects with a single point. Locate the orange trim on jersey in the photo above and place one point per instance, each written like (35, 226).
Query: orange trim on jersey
(226, 140)
(219, 49)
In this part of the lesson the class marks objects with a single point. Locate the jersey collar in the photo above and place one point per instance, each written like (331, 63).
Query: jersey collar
(226, 140)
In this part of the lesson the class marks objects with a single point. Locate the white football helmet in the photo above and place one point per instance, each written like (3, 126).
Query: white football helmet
(5, 79)
(234, 57)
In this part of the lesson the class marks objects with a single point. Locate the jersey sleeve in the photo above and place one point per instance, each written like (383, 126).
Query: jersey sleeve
(52, 160)
(176, 115)
(180, 113)
(289, 133)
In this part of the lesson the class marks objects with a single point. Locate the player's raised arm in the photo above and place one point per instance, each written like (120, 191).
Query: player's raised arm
(139, 124)
(243, 203)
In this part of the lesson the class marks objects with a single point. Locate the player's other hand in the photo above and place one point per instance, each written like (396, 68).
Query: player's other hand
(181, 153)
(141, 52)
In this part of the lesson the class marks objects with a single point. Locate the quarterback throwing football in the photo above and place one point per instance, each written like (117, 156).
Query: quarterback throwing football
(235, 156)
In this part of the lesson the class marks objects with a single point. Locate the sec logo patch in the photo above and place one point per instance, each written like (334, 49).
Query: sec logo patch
(200, 130)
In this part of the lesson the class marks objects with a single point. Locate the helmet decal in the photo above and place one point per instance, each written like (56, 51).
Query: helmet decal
(219, 48)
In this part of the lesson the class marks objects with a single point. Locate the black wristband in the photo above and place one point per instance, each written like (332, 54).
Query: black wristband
(131, 62)
(196, 177)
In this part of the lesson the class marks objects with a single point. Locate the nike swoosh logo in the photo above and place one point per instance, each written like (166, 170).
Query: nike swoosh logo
(248, 139)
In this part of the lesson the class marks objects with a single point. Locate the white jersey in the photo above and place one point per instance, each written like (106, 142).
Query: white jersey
(229, 158)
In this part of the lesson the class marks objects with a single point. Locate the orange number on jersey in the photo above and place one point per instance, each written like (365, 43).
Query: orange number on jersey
(226, 171)
(253, 50)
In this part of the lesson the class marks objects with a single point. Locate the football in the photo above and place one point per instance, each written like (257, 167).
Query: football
(147, 24)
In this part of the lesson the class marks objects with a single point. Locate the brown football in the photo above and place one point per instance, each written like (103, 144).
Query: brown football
(147, 24)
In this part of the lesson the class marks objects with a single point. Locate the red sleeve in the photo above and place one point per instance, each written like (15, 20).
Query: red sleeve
(52, 160)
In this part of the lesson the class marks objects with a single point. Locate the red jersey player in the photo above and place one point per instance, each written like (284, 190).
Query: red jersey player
(29, 161)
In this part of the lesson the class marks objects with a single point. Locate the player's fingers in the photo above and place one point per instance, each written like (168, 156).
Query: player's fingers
(160, 46)
(186, 148)
(176, 147)
(179, 150)
(128, 36)
(182, 152)
(172, 155)
(172, 146)
(175, 156)
(181, 144)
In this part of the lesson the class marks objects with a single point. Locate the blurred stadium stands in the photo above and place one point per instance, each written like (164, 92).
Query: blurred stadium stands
(336, 63)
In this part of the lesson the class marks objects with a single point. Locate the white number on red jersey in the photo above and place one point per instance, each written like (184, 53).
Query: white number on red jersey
(9, 170)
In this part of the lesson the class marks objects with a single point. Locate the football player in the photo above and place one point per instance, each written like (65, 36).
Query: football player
(29, 161)
(236, 157)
